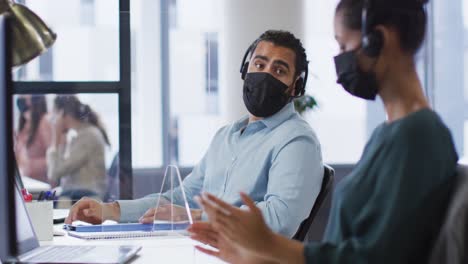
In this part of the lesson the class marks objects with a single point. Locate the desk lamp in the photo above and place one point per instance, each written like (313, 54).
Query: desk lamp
(30, 36)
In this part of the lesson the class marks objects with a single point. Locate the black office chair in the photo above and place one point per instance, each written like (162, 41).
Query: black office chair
(327, 183)
(451, 244)
(113, 173)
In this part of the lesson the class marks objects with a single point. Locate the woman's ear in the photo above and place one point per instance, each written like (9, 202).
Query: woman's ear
(390, 40)
(391, 49)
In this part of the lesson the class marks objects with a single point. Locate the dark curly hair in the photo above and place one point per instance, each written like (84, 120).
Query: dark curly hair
(288, 40)
(38, 111)
(72, 106)
(408, 17)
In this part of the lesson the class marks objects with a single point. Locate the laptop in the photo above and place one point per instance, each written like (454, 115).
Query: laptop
(30, 251)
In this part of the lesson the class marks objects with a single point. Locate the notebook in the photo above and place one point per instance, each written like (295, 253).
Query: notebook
(132, 230)
(125, 235)
(158, 226)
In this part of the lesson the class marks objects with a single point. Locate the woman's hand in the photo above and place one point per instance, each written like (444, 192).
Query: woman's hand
(246, 233)
(58, 130)
(204, 233)
(224, 249)
(169, 212)
(245, 228)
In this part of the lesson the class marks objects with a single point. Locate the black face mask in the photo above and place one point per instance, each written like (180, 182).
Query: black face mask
(264, 95)
(356, 82)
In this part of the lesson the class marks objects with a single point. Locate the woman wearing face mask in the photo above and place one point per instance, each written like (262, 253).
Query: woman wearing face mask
(77, 162)
(390, 208)
(33, 136)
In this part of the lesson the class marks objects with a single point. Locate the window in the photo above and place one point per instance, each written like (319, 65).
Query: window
(87, 46)
(450, 34)
(194, 80)
(90, 59)
(147, 137)
(29, 155)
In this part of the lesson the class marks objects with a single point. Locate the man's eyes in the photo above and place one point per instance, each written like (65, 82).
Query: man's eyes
(259, 65)
(277, 70)
(280, 71)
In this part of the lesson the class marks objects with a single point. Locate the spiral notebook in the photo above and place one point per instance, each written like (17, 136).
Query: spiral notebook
(134, 230)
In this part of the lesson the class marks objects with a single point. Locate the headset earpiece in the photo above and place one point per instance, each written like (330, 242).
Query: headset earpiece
(372, 43)
(372, 39)
(299, 87)
(302, 82)
(244, 70)
(245, 63)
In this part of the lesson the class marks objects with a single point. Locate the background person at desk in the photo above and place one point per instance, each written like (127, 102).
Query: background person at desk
(33, 136)
(391, 206)
(272, 154)
(79, 163)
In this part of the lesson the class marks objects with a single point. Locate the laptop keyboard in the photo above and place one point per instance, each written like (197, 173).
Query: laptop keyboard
(61, 253)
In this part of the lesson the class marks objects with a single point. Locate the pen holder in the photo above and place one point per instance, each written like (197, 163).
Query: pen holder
(41, 215)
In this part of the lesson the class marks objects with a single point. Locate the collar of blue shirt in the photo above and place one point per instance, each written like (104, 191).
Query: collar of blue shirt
(270, 122)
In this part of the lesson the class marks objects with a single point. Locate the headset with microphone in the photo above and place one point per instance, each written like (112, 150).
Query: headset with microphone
(299, 89)
(372, 39)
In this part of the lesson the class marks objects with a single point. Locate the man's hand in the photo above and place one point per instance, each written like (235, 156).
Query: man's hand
(93, 211)
(169, 212)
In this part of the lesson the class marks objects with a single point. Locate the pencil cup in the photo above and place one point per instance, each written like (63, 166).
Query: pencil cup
(41, 215)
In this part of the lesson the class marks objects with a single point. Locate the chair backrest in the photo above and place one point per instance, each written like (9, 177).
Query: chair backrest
(452, 242)
(327, 183)
(113, 186)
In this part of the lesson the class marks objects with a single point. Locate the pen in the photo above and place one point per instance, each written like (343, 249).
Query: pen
(41, 196)
(26, 195)
(47, 195)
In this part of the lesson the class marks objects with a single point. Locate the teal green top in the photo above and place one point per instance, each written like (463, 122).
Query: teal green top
(391, 206)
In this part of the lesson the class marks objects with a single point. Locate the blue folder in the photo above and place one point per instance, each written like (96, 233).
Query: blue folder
(128, 227)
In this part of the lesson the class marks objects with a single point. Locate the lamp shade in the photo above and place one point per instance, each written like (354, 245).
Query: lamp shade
(30, 35)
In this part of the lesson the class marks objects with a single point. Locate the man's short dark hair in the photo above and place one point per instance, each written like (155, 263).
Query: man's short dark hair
(286, 39)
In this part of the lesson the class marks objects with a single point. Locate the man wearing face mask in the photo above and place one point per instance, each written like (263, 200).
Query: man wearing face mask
(272, 154)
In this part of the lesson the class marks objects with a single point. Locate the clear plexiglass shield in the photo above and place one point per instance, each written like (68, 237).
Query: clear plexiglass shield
(168, 214)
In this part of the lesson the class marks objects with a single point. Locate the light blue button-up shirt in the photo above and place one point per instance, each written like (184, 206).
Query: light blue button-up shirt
(277, 161)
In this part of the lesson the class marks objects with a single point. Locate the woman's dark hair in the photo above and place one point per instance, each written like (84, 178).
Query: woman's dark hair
(408, 17)
(38, 109)
(72, 106)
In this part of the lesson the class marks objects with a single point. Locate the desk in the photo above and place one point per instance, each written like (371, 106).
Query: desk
(34, 186)
(172, 250)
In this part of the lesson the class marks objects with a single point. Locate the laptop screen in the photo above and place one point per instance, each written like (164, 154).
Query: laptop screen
(26, 238)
